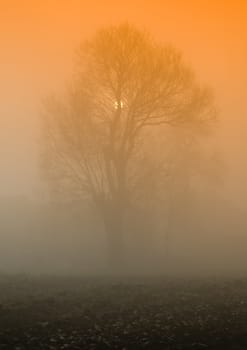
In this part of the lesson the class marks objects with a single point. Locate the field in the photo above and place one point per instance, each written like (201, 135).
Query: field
(110, 313)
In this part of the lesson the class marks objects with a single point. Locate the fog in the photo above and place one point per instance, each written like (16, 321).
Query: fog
(45, 238)
(206, 231)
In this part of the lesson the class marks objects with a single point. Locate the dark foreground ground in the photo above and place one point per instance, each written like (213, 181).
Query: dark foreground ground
(103, 313)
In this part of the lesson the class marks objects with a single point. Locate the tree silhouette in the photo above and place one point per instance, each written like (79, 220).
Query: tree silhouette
(99, 136)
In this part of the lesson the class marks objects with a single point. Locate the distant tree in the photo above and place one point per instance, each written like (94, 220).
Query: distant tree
(100, 137)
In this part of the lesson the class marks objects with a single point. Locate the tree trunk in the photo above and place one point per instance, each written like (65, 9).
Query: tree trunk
(113, 220)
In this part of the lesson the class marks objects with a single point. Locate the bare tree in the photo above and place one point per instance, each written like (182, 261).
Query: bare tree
(99, 136)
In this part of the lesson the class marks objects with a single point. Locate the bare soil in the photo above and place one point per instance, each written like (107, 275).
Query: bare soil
(113, 313)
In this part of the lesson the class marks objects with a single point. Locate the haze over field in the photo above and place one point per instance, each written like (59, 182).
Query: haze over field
(38, 40)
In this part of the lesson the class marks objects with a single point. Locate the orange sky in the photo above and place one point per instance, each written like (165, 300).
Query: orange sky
(38, 38)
